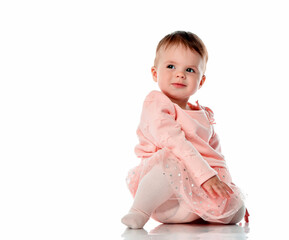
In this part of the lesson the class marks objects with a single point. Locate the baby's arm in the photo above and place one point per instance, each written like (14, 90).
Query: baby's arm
(158, 121)
(215, 142)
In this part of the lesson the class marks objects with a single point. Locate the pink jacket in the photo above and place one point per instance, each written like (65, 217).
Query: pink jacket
(188, 134)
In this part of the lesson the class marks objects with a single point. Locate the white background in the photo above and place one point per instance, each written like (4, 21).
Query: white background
(73, 78)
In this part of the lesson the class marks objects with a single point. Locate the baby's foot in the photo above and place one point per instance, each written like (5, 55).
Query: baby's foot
(135, 219)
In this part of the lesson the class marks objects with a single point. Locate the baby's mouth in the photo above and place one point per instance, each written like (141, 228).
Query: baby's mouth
(178, 85)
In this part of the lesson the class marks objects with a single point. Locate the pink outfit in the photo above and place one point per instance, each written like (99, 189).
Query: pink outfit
(185, 144)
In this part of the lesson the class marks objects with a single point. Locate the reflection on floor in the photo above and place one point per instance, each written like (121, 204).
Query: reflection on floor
(189, 232)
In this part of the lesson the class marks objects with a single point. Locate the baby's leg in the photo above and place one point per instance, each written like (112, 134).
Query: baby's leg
(153, 190)
(237, 217)
(172, 212)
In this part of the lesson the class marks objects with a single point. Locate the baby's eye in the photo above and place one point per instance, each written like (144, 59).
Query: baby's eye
(171, 66)
(190, 70)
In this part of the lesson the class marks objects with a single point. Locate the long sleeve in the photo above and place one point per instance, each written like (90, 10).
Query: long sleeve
(158, 123)
(215, 142)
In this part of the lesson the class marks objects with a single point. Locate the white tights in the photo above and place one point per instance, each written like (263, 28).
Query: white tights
(153, 192)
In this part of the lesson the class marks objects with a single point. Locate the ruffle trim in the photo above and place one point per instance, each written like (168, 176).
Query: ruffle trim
(209, 112)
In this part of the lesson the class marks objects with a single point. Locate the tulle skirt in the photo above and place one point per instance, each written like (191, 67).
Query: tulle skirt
(190, 197)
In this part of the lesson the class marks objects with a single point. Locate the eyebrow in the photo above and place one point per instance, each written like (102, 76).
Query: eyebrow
(166, 62)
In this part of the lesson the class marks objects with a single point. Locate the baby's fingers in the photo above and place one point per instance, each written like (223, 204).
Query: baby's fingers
(211, 192)
(221, 191)
(230, 190)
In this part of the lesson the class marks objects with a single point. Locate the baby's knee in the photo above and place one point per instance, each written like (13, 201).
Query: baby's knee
(238, 215)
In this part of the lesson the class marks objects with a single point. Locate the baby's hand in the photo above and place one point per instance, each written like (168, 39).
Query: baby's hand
(216, 188)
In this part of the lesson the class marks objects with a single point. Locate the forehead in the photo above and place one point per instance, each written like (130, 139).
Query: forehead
(180, 54)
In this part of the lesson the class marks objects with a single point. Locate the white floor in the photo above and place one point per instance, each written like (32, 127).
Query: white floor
(257, 228)
(188, 231)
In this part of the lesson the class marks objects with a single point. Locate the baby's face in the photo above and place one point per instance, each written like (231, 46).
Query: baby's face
(179, 72)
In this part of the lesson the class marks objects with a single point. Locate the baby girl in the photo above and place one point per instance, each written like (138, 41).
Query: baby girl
(182, 175)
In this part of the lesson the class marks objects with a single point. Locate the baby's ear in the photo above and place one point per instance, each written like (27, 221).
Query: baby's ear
(154, 73)
(203, 79)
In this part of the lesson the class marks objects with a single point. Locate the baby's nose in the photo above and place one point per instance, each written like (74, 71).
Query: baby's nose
(180, 75)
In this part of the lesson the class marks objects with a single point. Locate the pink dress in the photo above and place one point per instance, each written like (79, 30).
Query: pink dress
(185, 144)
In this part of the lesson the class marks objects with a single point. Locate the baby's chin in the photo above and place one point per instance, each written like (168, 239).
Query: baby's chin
(178, 95)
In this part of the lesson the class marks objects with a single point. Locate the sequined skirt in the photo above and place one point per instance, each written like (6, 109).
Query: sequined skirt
(190, 197)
